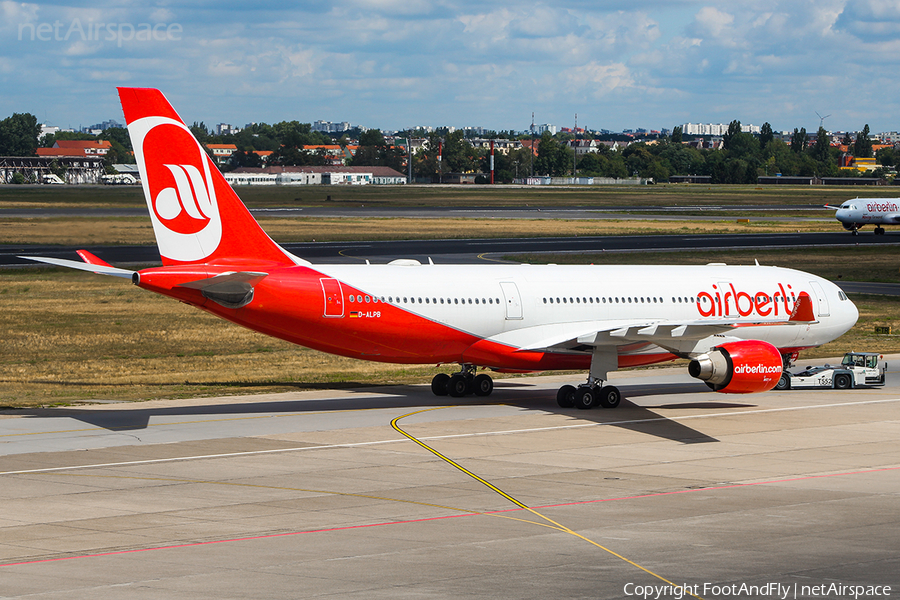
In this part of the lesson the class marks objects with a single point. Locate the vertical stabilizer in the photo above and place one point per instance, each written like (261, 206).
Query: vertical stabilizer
(197, 217)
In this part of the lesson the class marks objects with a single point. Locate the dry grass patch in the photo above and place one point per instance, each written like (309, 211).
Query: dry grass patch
(137, 230)
(73, 336)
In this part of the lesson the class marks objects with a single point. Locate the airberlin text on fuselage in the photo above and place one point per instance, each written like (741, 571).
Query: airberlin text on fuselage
(886, 207)
(728, 301)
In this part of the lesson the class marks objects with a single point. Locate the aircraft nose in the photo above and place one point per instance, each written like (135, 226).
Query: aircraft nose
(849, 314)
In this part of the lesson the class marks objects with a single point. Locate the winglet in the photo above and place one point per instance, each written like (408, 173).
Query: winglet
(803, 309)
(92, 259)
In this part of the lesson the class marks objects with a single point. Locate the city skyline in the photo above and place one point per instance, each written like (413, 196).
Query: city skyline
(389, 64)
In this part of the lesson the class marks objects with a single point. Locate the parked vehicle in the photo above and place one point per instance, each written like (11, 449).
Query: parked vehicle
(857, 369)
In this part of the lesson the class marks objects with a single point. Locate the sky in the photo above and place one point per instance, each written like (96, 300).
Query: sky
(395, 64)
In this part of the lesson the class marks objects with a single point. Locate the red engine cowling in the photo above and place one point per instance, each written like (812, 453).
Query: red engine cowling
(741, 367)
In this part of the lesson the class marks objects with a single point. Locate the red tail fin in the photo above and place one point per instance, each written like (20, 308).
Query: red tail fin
(197, 217)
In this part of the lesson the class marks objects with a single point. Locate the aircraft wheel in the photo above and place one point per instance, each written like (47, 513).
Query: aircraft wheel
(457, 386)
(439, 384)
(784, 382)
(879, 231)
(483, 385)
(565, 397)
(842, 381)
(585, 398)
(609, 396)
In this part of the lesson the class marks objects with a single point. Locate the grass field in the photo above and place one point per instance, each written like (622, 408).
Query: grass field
(433, 195)
(137, 230)
(70, 336)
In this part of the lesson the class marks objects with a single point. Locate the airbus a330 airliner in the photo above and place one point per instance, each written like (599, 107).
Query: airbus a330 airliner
(855, 213)
(737, 324)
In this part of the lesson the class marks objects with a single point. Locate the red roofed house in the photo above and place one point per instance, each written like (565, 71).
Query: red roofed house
(76, 148)
(221, 151)
(335, 154)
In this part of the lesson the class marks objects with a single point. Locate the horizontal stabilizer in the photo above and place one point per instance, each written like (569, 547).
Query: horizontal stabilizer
(99, 269)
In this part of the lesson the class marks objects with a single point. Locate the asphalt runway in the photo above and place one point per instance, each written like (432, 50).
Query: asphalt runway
(473, 251)
(315, 495)
(479, 251)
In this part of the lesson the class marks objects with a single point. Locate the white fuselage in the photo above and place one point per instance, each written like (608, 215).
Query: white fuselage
(540, 306)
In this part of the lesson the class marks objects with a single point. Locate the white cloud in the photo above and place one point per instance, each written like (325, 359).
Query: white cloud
(713, 23)
(459, 61)
(12, 14)
(600, 79)
(871, 19)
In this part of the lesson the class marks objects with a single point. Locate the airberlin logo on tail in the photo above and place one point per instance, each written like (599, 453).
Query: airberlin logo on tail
(186, 207)
(178, 187)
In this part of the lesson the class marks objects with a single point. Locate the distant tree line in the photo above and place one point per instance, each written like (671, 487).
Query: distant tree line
(743, 158)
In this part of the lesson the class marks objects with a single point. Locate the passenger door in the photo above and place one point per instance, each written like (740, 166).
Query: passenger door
(333, 296)
(513, 300)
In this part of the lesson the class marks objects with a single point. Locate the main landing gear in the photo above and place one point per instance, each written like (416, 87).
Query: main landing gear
(462, 383)
(593, 392)
(588, 395)
(879, 230)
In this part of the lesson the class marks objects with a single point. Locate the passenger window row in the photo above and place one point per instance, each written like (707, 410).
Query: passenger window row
(605, 300)
(421, 300)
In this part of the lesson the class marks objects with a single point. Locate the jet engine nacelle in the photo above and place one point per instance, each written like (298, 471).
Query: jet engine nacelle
(742, 367)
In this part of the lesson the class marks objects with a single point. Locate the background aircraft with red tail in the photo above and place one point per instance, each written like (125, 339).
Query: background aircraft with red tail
(858, 212)
(737, 324)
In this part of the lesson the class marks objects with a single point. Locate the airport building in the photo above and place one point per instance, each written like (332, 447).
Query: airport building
(714, 129)
(47, 169)
(77, 148)
(307, 175)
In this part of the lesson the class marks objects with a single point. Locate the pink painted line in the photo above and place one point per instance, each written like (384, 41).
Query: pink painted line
(718, 487)
(242, 539)
(425, 520)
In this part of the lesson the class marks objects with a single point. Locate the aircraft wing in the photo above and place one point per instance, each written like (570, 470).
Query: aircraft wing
(582, 336)
(892, 218)
(664, 333)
